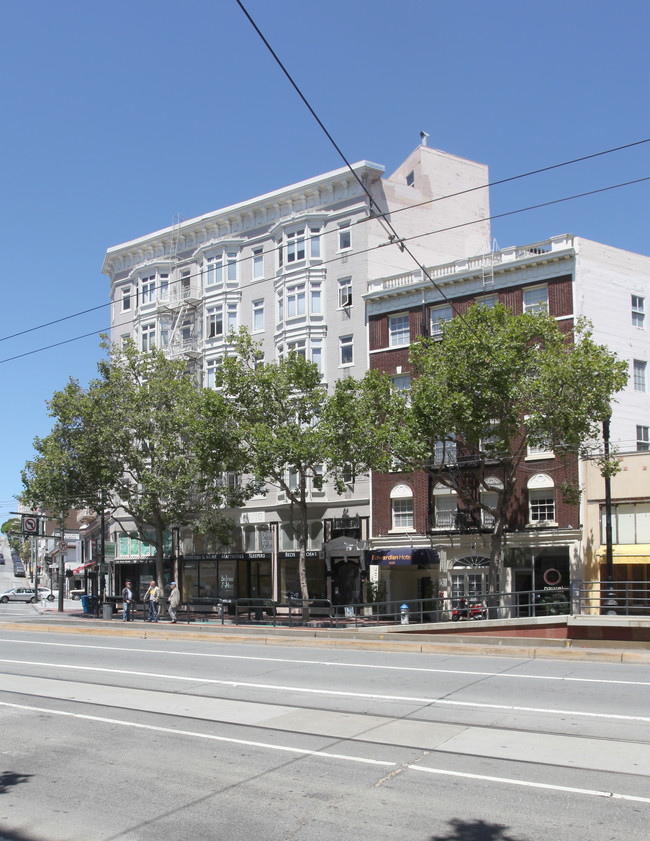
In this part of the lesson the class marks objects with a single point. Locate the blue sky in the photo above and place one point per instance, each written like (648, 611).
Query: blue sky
(118, 116)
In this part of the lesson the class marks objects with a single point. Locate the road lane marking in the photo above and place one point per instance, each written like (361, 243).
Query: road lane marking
(414, 699)
(333, 663)
(327, 755)
(530, 784)
(196, 735)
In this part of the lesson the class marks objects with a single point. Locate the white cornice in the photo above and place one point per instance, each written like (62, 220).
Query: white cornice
(327, 189)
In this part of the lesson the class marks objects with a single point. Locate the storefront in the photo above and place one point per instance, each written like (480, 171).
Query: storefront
(404, 573)
(206, 579)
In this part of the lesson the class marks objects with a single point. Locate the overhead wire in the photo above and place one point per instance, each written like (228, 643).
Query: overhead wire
(357, 253)
(394, 238)
(394, 211)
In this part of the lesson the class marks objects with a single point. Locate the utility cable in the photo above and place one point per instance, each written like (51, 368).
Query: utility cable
(394, 238)
(381, 245)
(498, 182)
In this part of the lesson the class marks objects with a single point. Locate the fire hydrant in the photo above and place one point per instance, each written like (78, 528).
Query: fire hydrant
(404, 609)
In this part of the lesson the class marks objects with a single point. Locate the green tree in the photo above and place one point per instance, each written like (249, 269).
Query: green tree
(494, 384)
(127, 442)
(284, 421)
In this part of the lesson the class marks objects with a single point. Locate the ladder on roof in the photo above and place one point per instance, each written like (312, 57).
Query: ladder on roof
(487, 265)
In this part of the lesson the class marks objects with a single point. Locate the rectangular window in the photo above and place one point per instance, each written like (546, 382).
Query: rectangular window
(402, 510)
(345, 292)
(232, 318)
(296, 301)
(163, 289)
(488, 301)
(211, 369)
(215, 322)
(438, 317)
(298, 348)
(316, 307)
(399, 332)
(317, 355)
(445, 510)
(445, 452)
(215, 271)
(232, 266)
(148, 337)
(401, 382)
(126, 298)
(347, 350)
(258, 263)
(148, 289)
(542, 506)
(638, 312)
(295, 246)
(317, 480)
(536, 299)
(642, 439)
(314, 243)
(258, 316)
(124, 338)
(639, 375)
(630, 523)
(345, 239)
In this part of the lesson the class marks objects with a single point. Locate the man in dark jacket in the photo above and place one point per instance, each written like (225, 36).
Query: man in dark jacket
(127, 595)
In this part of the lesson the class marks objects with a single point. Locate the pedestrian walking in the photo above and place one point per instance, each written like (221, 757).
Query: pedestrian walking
(127, 595)
(174, 600)
(152, 598)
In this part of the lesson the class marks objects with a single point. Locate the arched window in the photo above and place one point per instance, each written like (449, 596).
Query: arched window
(541, 500)
(469, 577)
(401, 503)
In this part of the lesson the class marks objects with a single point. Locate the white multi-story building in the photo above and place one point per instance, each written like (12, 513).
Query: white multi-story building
(292, 266)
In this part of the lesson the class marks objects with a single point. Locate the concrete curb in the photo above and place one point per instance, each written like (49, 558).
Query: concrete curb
(530, 649)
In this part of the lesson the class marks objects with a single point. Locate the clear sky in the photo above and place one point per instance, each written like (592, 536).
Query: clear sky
(117, 116)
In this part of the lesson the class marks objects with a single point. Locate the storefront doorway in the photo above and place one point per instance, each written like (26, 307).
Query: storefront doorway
(346, 582)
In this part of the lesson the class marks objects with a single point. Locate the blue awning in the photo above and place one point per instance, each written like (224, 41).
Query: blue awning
(403, 555)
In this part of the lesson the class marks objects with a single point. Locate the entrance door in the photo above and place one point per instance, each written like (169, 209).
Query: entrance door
(523, 587)
(346, 582)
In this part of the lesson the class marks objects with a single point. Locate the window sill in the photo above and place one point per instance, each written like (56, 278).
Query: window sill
(543, 524)
(404, 530)
(540, 456)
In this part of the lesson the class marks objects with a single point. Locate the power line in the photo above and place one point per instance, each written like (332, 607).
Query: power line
(394, 237)
(379, 215)
(383, 245)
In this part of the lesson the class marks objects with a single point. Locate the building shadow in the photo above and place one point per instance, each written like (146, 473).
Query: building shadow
(460, 830)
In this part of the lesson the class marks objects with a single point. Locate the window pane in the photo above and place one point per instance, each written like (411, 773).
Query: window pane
(399, 331)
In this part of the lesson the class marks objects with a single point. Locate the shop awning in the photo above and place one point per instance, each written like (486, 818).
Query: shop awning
(77, 570)
(636, 553)
(402, 556)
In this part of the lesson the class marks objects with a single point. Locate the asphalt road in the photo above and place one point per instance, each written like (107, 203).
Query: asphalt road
(109, 738)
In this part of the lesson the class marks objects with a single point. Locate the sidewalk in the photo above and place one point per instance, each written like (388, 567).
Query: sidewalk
(414, 639)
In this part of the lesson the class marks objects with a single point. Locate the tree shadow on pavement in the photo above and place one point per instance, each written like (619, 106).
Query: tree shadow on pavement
(9, 779)
(475, 831)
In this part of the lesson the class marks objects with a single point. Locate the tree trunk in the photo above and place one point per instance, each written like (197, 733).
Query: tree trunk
(302, 558)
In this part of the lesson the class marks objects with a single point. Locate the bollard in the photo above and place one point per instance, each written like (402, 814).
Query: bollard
(404, 610)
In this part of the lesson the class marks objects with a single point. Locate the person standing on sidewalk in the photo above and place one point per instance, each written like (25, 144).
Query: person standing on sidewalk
(153, 599)
(127, 595)
(174, 600)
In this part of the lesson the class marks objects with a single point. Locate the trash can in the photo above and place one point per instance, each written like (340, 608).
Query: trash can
(85, 604)
(107, 611)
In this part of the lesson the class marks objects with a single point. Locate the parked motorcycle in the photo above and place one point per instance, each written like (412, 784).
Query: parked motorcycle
(465, 610)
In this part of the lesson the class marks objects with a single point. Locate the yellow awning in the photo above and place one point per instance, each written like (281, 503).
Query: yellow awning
(636, 553)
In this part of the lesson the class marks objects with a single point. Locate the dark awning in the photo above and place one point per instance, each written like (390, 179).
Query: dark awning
(403, 555)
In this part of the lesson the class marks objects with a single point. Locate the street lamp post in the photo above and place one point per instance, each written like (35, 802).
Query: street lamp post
(609, 605)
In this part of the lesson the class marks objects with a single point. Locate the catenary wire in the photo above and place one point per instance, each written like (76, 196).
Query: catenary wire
(488, 185)
(374, 248)
(394, 237)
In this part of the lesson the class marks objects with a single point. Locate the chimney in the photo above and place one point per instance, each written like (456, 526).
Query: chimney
(424, 137)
